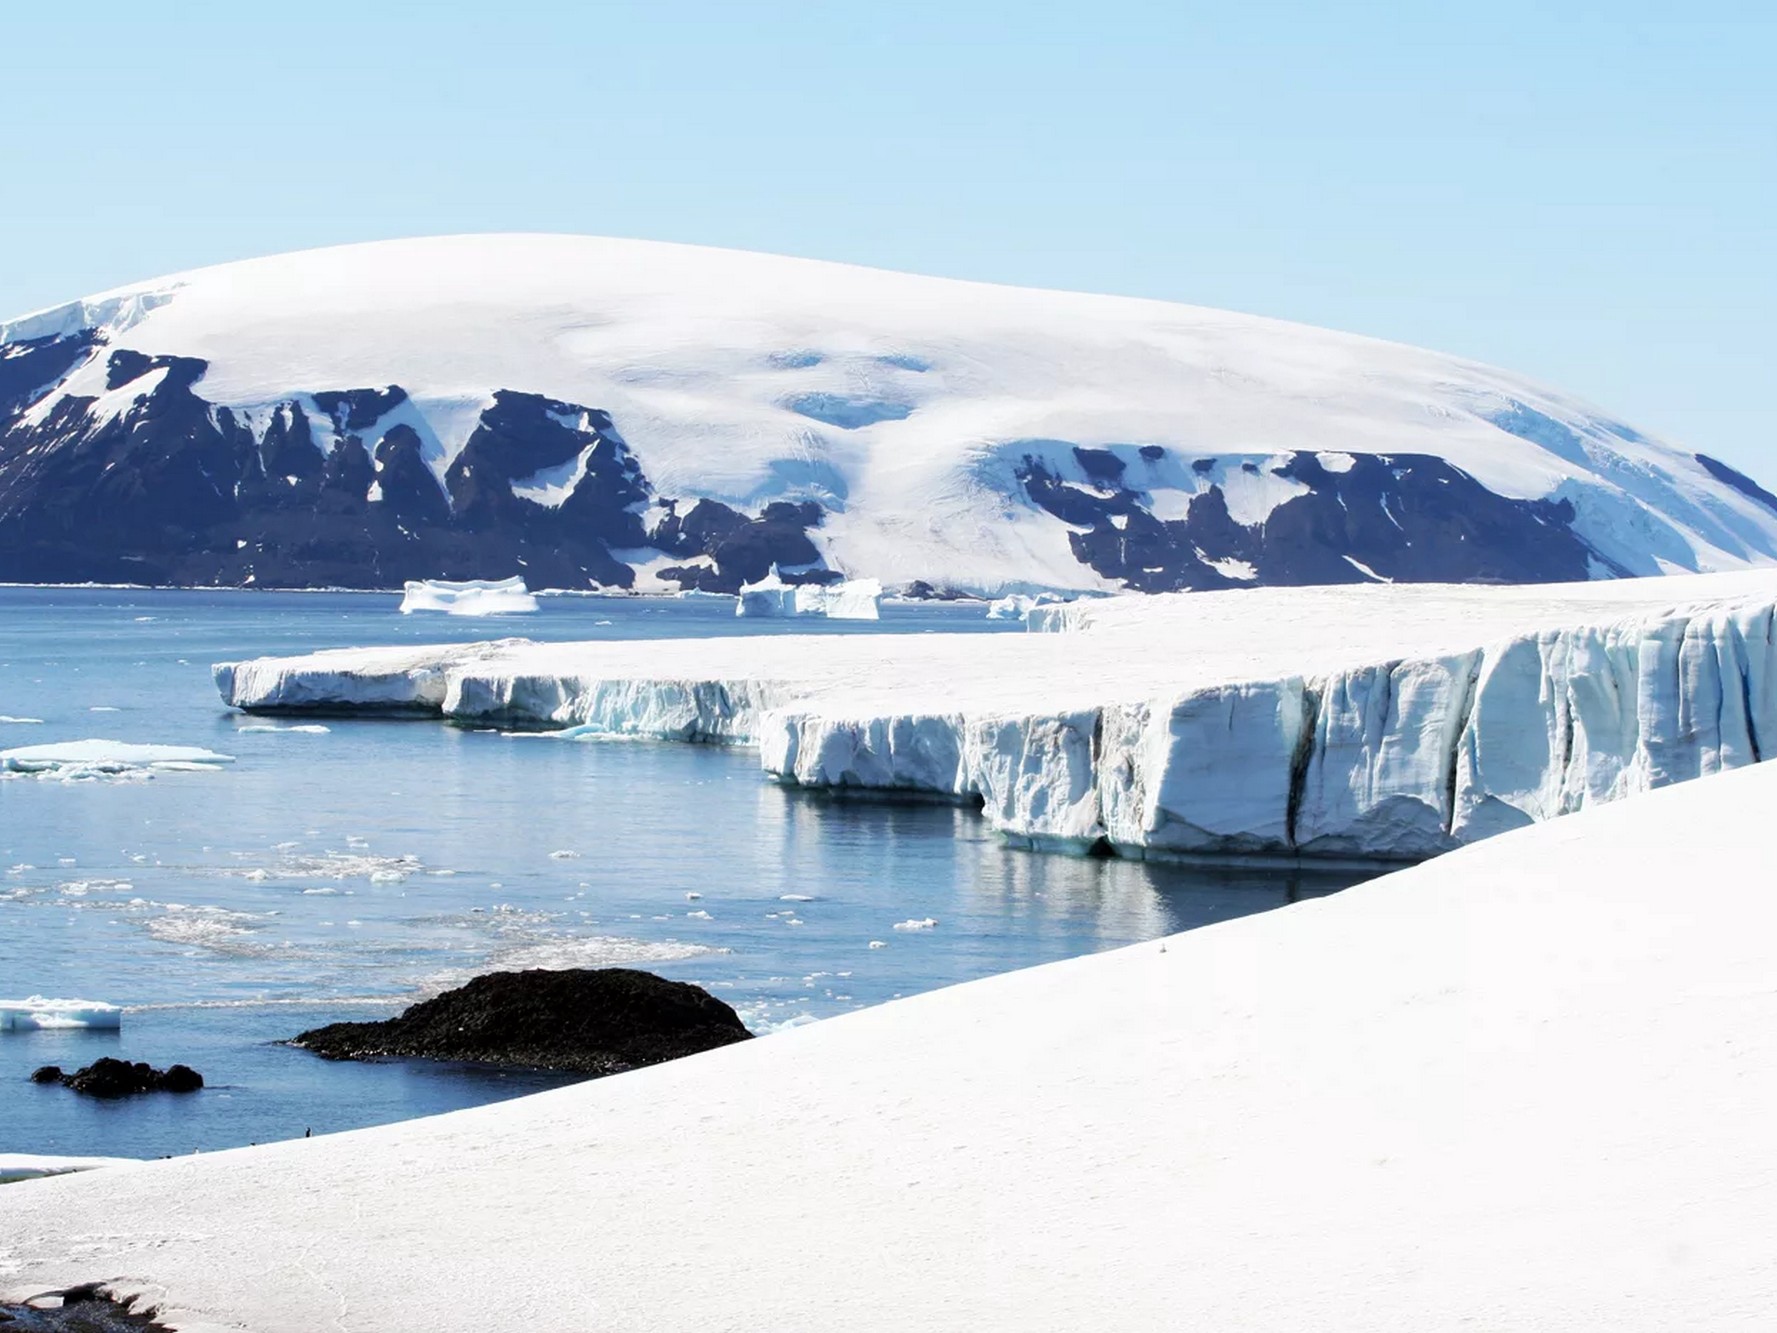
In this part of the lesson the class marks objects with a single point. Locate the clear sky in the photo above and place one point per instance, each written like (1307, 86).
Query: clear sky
(1586, 193)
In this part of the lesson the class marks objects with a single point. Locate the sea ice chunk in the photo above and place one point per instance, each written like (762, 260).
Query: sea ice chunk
(476, 597)
(1017, 606)
(37, 1012)
(855, 599)
(91, 758)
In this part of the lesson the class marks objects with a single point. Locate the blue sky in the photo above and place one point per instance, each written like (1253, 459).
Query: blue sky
(1584, 193)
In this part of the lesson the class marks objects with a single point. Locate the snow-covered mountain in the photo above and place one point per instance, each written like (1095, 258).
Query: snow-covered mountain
(624, 414)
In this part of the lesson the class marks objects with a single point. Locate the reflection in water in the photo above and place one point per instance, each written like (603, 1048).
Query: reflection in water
(323, 874)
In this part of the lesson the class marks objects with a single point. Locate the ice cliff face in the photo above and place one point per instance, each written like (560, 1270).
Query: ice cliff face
(591, 413)
(1109, 736)
(1398, 760)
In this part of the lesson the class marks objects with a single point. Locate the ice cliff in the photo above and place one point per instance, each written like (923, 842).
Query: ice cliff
(1375, 723)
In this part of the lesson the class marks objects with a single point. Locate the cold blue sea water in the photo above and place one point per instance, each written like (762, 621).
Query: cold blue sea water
(346, 872)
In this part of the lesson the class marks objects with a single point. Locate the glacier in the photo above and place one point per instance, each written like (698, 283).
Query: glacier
(473, 597)
(1523, 1086)
(1379, 722)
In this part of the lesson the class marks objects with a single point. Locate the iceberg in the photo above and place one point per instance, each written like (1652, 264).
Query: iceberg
(477, 597)
(1369, 722)
(1018, 606)
(37, 1012)
(854, 599)
(1523, 1086)
(76, 760)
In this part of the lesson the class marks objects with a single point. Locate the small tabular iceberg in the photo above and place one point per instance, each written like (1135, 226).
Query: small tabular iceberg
(476, 597)
(108, 759)
(1017, 606)
(37, 1012)
(855, 599)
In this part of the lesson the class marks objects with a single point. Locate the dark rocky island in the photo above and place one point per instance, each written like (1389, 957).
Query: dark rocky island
(591, 1021)
(108, 1077)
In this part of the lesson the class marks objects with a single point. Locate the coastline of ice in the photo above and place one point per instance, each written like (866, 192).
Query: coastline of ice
(1370, 722)
(474, 597)
(36, 1012)
(854, 599)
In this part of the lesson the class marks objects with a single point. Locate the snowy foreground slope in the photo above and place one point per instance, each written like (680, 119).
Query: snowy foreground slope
(1525, 1086)
(586, 412)
(1386, 722)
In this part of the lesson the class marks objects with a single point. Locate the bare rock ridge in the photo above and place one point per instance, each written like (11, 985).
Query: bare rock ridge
(86, 1308)
(593, 1021)
(179, 490)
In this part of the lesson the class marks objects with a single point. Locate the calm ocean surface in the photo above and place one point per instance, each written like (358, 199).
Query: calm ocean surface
(344, 874)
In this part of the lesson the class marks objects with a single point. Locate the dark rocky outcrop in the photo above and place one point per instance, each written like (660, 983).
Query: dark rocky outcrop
(339, 488)
(108, 1077)
(1738, 480)
(87, 1308)
(349, 487)
(1402, 517)
(592, 1021)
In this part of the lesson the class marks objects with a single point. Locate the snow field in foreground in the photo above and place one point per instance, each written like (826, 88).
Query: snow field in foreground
(1371, 723)
(1526, 1085)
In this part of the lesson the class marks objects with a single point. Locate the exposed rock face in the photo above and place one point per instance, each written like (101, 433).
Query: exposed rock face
(108, 1078)
(585, 412)
(588, 1020)
(1392, 518)
(339, 488)
(86, 1308)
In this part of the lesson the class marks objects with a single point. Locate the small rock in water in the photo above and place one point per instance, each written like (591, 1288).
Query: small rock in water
(587, 1020)
(108, 1077)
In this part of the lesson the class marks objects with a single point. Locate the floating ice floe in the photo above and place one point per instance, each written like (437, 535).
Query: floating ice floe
(918, 923)
(76, 760)
(475, 597)
(20, 721)
(855, 599)
(300, 728)
(38, 1012)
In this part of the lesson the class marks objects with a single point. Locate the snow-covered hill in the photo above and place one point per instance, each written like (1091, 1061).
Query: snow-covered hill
(1525, 1086)
(620, 413)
